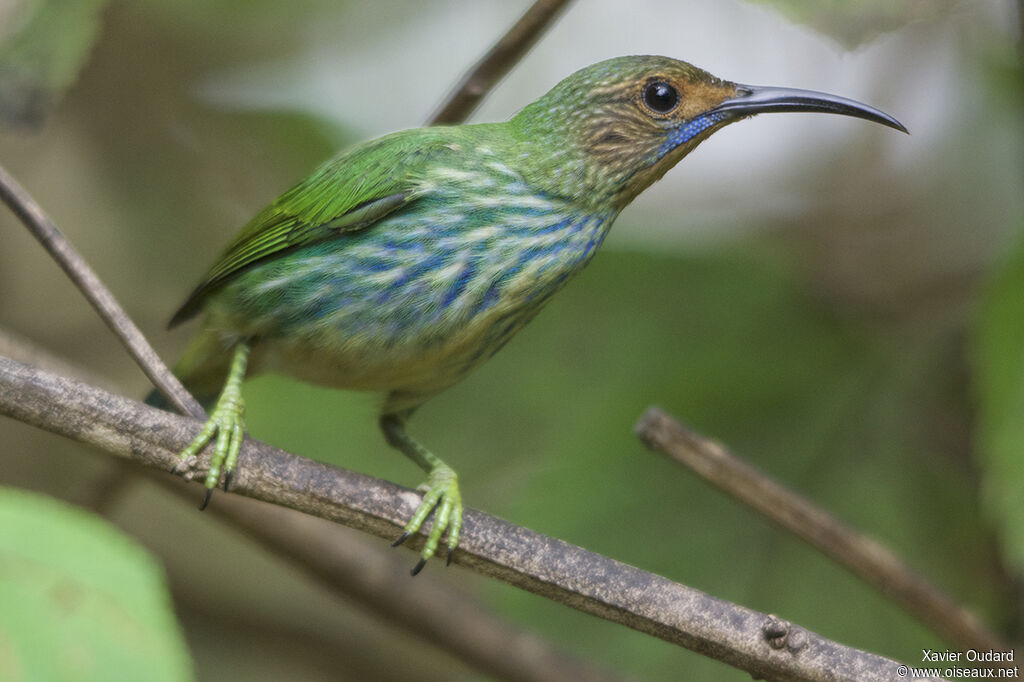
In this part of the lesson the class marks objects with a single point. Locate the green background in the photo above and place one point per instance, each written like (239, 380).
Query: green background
(839, 304)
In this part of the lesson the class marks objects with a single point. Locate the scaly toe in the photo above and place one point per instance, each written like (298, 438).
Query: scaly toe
(223, 430)
(443, 499)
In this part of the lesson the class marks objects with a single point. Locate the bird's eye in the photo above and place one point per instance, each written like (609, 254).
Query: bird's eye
(660, 97)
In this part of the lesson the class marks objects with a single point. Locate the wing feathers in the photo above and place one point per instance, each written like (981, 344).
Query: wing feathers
(350, 192)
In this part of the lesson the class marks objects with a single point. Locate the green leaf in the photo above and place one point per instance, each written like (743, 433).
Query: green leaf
(999, 363)
(79, 600)
(854, 22)
(43, 45)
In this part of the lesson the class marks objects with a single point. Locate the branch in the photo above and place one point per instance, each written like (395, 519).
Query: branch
(379, 581)
(762, 645)
(859, 554)
(57, 245)
(371, 576)
(486, 73)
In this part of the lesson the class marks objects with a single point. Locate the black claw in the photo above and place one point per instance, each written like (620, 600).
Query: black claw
(418, 567)
(206, 499)
(227, 479)
(402, 538)
(448, 561)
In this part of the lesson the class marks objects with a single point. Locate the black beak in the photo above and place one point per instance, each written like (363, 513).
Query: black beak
(755, 99)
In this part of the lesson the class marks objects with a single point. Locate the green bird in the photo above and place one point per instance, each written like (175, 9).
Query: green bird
(404, 263)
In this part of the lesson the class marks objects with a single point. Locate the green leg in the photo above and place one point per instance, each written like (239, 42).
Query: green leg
(225, 424)
(442, 492)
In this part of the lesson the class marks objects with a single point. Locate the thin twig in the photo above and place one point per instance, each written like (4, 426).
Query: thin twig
(859, 554)
(57, 245)
(505, 54)
(764, 646)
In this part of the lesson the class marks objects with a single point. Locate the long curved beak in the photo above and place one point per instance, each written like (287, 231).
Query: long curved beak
(756, 99)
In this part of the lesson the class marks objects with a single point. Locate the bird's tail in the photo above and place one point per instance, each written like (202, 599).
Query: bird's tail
(202, 369)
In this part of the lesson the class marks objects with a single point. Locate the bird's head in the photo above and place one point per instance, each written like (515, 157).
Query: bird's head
(608, 131)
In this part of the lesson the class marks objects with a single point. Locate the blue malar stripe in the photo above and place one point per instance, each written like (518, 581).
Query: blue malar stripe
(689, 130)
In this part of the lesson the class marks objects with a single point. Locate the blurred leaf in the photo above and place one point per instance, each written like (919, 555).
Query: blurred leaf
(79, 600)
(43, 47)
(854, 22)
(999, 361)
(1003, 75)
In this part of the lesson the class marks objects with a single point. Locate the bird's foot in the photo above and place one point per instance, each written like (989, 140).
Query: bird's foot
(442, 494)
(225, 428)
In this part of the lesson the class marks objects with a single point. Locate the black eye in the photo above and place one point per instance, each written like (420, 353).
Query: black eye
(661, 97)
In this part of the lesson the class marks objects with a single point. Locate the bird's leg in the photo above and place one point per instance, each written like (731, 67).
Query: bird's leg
(225, 424)
(441, 491)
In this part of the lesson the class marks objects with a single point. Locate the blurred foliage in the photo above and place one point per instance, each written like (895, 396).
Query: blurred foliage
(855, 22)
(43, 45)
(999, 360)
(830, 348)
(79, 599)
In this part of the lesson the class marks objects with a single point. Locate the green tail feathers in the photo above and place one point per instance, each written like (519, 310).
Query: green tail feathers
(202, 369)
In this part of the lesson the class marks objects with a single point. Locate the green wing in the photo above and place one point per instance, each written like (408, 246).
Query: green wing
(350, 192)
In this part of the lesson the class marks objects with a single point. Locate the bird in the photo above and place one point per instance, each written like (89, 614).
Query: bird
(402, 264)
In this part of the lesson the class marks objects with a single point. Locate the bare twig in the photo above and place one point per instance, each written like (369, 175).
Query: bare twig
(486, 73)
(43, 229)
(861, 555)
(762, 645)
